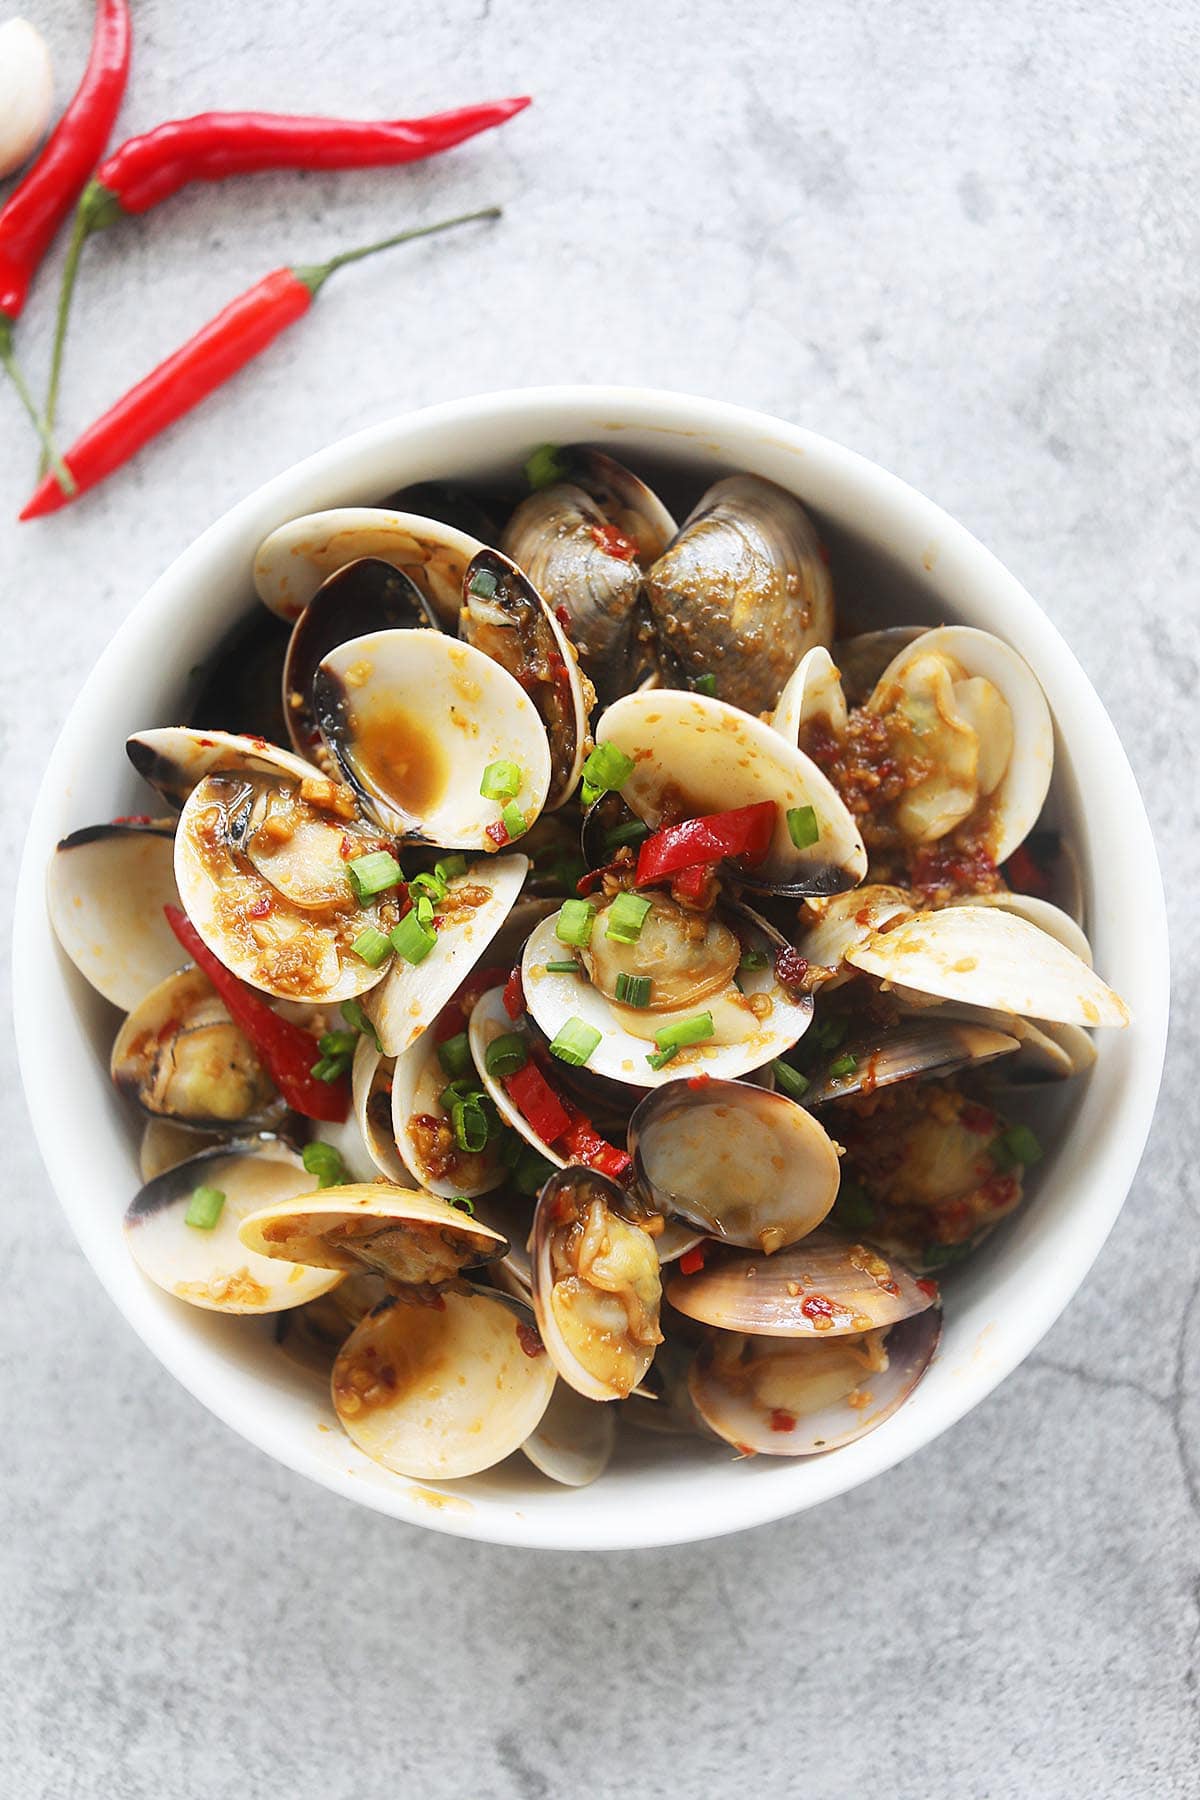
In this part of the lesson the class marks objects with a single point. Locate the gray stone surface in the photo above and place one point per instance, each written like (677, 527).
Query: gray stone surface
(963, 239)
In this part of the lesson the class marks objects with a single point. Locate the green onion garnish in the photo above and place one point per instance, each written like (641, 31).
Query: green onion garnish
(413, 938)
(660, 1058)
(463, 1087)
(633, 990)
(564, 968)
(753, 959)
(449, 868)
(373, 947)
(531, 1171)
(802, 825)
(337, 1043)
(686, 1031)
(470, 1125)
(574, 923)
(853, 1208)
(463, 1203)
(545, 467)
(501, 780)
(325, 1162)
(506, 1054)
(483, 583)
(373, 874)
(204, 1208)
(845, 1065)
(790, 1080)
(606, 770)
(625, 918)
(329, 1068)
(427, 887)
(575, 1042)
(514, 820)
(631, 832)
(829, 1033)
(1016, 1145)
(424, 911)
(454, 1054)
(355, 1016)
(705, 684)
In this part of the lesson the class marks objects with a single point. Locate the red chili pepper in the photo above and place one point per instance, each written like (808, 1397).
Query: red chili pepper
(692, 1261)
(287, 1050)
(613, 541)
(37, 207)
(514, 993)
(790, 969)
(690, 884)
(1025, 875)
(498, 832)
(582, 1143)
(537, 1102)
(223, 346)
(746, 832)
(145, 170)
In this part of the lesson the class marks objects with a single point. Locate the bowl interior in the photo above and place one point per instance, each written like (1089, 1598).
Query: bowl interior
(895, 558)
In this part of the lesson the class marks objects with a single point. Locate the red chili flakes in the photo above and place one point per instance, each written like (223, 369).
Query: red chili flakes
(529, 1340)
(1001, 1191)
(260, 908)
(613, 541)
(692, 1261)
(790, 968)
(698, 1081)
(208, 743)
(1026, 875)
(133, 819)
(498, 832)
(819, 1311)
(346, 848)
(928, 1288)
(979, 1119)
(782, 1420)
(563, 617)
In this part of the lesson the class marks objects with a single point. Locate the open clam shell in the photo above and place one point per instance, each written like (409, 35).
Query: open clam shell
(714, 758)
(413, 719)
(812, 691)
(574, 1438)
(861, 659)
(742, 591)
(742, 1040)
(826, 1286)
(792, 1397)
(985, 956)
(515, 627)
(410, 1237)
(744, 1165)
(596, 1285)
(164, 1145)
(421, 1126)
(411, 995)
(1042, 913)
(1011, 809)
(180, 1057)
(292, 562)
(440, 1390)
(490, 1020)
(371, 1086)
(910, 1049)
(106, 887)
(585, 543)
(213, 1268)
(849, 919)
(174, 759)
(366, 596)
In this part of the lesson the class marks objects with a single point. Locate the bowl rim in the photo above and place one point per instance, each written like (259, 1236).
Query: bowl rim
(672, 413)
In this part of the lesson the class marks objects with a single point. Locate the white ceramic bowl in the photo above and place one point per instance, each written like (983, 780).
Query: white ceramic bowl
(887, 541)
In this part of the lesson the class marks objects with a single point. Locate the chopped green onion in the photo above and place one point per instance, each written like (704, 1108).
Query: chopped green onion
(501, 780)
(470, 1125)
(631, 832)
(564, 968)
(427, 887)
(355, 1016)
(626, 916)
(412, 938)
(463, 1088)
(829, 1033)
(204, 1208)
(337, 1043)
(483, 583)
(845, 1065)
(545, 467)
(753, 959)
(660, 1058)
(424, 911)
(506, 1054)
(454, 1054)
(853, 1208)
(633, 990)
(575, 1042)
(449, 868)
(574, 923)
(463, 1203)
(686, 1031)
(330, 1068)
(325, 1162)
(373, 874)
(790, 1081)
(1016, 1145)
(802, 825)
(514, 820)
(606, 771)
(705, 684)
(373, 947)
(934, 1256)
(531, 1171)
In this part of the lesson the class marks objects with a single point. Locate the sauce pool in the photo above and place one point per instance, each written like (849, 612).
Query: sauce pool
(395, 755)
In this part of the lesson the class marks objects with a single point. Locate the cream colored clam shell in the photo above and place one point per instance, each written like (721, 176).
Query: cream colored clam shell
(314, 1215)
(292, 562)
(105, 891)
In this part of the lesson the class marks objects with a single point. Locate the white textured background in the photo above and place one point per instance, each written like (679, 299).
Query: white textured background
(963, 239)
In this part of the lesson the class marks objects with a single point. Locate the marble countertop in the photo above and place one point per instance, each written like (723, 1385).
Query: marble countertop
(964, 241)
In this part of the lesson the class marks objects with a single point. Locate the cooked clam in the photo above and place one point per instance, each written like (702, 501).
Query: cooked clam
(573, 1440)
(442, 1386)
(909, 1048)
(846, 920)
(423, 1127)
(596, 1286)
(180, 1056)
(106, 887)
(826, 1286)
(291, 564)
(207, 1264)
(408, 1236)
(742, 592)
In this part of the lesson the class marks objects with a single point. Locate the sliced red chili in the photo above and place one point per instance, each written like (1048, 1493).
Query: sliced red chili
(514, 993)
(746, 832)
(537, 1102)
(614, 542)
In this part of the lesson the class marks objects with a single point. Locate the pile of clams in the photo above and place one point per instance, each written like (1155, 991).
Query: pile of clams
(574, 988)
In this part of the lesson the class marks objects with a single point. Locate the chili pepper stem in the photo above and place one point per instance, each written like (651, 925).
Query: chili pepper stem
(81, 230)
(16, 375)
(315, 275)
